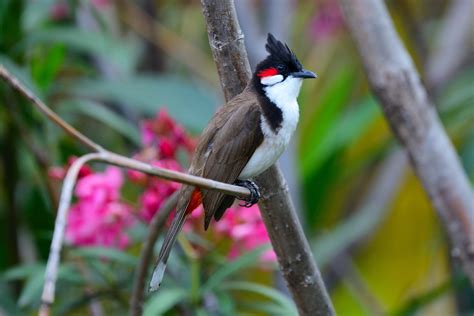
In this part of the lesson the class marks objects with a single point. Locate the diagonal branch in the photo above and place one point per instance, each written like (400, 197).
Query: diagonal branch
(286, 234)
(414, 121)
(17, 85)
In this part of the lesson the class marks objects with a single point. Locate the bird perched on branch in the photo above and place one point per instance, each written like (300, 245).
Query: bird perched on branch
(243, 139)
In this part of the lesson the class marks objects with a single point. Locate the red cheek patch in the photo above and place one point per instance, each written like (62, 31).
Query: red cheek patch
(267, 72)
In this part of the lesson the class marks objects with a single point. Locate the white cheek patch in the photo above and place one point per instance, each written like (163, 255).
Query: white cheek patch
(271, 80)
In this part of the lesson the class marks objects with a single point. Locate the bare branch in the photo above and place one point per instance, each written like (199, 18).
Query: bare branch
(51, 272)
(17, 85)
(155, 227)
(290, 245)
(414, 121)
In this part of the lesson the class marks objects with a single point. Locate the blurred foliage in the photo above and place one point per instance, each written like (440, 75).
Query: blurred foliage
(90, 66)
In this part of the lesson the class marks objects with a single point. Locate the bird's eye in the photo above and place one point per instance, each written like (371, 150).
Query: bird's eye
(281, 67)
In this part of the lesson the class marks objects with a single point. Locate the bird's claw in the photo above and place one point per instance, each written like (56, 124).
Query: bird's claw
(254, 193)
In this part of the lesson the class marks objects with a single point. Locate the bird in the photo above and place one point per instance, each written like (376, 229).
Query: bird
(243, 139)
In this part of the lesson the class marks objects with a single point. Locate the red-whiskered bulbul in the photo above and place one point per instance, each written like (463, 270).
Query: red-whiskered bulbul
(243, 139)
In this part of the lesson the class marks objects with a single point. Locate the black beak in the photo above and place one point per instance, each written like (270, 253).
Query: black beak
(304, 74)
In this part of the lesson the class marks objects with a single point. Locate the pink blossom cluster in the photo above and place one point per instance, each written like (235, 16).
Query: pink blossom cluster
(243, 226)
(162, 139)
(99, 217)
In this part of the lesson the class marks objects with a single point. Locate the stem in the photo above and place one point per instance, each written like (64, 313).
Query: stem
(17, 85)
(286, 234)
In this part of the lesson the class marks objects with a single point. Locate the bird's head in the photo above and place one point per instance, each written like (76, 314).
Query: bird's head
(281, 69)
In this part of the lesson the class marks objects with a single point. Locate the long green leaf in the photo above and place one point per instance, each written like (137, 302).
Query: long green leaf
(23, 271)
(121, 52)
(329, 109)
(114, 255)
(104, 115)
(285, 303)
(247, 260)
(164, 300)
(189, 102)
(32, 290)
(348, 127)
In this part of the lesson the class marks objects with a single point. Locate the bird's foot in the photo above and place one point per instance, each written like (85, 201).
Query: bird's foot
(254, 193)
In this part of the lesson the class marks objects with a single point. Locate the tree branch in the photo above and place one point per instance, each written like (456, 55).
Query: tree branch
(17, 85)
(290, 245)
(413, 119)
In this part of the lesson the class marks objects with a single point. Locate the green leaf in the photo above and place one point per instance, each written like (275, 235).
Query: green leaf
(113, 255)
(8, 306)
(322, 122)
(349, 127)
(102, 114)
(228, 269)
(188, 102)
(286, 306)
(32, 290)
(226, 303)
(121, 52)
(261, 307)
(164, 300)
(45, 64)
(35, 13)
(23, 271)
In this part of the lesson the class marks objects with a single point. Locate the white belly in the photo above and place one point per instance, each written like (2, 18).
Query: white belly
(274, 143)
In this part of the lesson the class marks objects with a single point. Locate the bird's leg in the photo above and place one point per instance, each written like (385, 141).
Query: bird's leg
(254, 192)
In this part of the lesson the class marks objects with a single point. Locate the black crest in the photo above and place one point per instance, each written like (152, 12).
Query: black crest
(280, 52)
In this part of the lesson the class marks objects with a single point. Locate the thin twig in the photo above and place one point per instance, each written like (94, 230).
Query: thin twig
(156, 225)
(17, 85)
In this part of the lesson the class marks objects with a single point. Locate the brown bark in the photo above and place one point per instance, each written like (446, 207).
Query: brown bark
(413, 119)
(288, 241)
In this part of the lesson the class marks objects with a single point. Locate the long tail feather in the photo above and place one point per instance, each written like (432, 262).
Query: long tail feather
(170, 239)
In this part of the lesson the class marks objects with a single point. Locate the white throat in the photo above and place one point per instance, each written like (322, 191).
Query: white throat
(283, 95)
(284, 92)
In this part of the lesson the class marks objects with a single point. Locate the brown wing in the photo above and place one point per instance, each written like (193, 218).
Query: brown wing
(228, 151)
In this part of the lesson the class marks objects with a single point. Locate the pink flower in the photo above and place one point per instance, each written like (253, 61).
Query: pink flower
(327, 21)
(164, 133)
(157, 191)
(58, 173)
(98, 217)
(243, 226)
